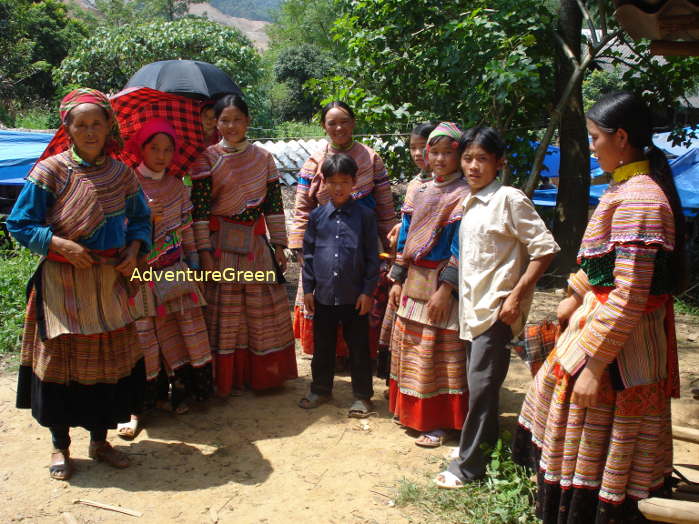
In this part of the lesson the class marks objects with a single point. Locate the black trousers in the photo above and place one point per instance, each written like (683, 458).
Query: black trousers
(60, 435)
(356, 333)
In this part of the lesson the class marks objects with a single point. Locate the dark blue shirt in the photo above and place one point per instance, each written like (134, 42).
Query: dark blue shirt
(340, 253)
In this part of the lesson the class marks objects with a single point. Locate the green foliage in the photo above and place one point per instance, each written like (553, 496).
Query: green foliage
(250, 9)
(34, 38)
(307, 22)
(598, 83)
(125, 12)
(294, 67)
(16, 267)
(108, 67)
(505, 496)
(465, 61)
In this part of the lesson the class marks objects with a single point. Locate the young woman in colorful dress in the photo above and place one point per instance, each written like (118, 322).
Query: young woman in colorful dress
(173, 333)
(86, 214)
(595, 423)
(240, 233)
(372, 189)
(427, 389)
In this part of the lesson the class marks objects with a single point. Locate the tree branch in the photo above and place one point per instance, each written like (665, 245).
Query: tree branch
(588, 20)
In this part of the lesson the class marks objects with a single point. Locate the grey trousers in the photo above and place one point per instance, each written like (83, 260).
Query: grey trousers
(488, 362)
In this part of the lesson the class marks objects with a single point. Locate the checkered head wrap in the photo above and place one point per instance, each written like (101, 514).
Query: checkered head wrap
(448, 129)
(86, 95)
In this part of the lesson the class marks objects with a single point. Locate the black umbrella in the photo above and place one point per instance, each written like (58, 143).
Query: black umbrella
(185, 77)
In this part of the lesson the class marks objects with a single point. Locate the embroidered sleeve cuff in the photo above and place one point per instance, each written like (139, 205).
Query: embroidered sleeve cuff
(578, 283)
(202, 235)
(450, 275)
(398, 273)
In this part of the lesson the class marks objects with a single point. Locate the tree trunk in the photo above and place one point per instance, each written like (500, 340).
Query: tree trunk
(574, 182)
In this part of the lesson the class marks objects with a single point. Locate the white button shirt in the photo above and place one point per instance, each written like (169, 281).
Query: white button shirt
(500, 232)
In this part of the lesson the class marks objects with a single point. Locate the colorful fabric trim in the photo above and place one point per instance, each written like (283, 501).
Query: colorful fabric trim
(623, 173)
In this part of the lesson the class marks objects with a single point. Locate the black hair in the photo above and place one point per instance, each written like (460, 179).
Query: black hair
(486, 137)
(624, 110)
(335, 103)
(230, 101)
(424, 129)
(337, 164)
(150, 139)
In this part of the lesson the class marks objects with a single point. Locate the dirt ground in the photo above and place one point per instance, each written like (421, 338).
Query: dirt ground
(257, 458)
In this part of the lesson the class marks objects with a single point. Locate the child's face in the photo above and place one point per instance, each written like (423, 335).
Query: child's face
(233, 124)
(158, 153)
(208, 121)
(339, 187)
(417, 150)
(443, 158)
(479, 167)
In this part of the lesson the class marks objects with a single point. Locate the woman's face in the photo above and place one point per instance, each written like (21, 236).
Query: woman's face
(233, 124)
(88, 129)
(417, 150)
(208, 121)
(339, 125)
(479, 167)
(607, 147)
(158, 153)
(443, 158)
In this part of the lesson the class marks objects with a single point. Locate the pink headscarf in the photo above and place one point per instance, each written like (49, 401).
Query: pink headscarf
(150, 128)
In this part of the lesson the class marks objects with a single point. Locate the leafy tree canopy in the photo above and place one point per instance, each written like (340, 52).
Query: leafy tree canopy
(250, 9)
(467, 61)
(34, 37)
(108, 58)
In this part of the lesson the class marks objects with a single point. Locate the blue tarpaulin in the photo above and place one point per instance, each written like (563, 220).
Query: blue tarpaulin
(685, 169)
(18, 153)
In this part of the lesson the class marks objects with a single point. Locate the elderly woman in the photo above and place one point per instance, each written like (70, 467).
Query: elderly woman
(85, 213)
(596, 421)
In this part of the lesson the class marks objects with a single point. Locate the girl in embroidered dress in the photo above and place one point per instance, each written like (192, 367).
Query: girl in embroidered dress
(86, 214)
(596, 421)
(237, 202)
(173, 333)
(418, 145)
(371, 189)
(427, 389)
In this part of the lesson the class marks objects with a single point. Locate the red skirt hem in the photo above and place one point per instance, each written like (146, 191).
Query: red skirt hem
(258, 372)
(427, 414)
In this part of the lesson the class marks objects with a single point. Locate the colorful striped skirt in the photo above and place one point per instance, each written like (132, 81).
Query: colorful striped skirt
(428, 376)
(249, 326)
(594, 463)
(79, 380)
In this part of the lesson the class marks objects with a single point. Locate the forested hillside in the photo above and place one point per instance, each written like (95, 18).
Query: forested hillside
(250, 9)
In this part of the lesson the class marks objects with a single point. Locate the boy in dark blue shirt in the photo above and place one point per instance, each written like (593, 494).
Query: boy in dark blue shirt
(340, 272)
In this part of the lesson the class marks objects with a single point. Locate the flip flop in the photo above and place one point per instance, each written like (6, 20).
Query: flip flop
(447, 480)
(430, 439)
(361, 409)
(128, 430)
(313, 400)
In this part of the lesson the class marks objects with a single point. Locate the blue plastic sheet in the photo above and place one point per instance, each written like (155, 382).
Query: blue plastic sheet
(18, 153)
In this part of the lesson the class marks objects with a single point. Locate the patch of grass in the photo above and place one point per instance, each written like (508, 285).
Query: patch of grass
(505, 496)
(688, 306)
(16, 267)
(34, 118)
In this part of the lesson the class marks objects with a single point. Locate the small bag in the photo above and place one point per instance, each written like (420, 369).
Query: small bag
(422, 282)
(164, 290)
(537, 341)
(234, 237)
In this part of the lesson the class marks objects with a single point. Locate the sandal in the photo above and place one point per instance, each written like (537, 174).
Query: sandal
(313, 400)
(430, 439)
(104, 452)
(447, 480)
(166, 405)
(129, 430)
(61, 467)
(361, 409)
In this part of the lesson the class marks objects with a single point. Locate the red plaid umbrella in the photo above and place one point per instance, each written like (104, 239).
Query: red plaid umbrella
(134, 107)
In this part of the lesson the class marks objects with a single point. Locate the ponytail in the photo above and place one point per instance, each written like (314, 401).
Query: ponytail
(661, 173)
